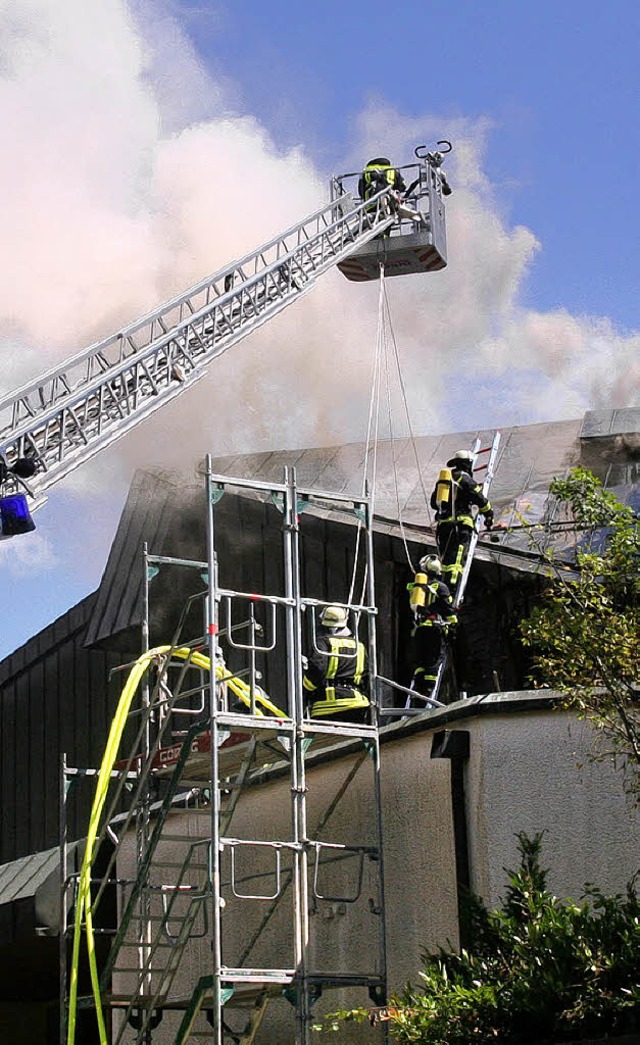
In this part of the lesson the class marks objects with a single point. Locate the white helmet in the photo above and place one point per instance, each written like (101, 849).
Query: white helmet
(334, 617)
(431, 564)
(464, 460)
(462, 455)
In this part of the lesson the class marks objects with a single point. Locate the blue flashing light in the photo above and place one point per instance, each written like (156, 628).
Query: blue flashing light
(15, 516)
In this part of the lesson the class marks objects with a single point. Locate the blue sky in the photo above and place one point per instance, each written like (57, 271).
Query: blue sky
(558, 81)
(247, 107)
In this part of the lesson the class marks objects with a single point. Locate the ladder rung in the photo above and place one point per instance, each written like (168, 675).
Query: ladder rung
(138, 970)
(178, 863)
(158, 919)
(154, 944)
(181, 838)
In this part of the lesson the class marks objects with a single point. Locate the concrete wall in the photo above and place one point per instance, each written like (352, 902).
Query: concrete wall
(533, 771)
(522, 775)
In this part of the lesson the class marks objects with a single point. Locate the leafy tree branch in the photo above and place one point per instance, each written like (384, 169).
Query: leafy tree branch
(585, 633)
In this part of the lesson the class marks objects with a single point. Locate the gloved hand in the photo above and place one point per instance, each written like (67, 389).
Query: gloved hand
(488, 519)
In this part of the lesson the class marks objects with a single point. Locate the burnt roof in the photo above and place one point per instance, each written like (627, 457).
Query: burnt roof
(167, 510)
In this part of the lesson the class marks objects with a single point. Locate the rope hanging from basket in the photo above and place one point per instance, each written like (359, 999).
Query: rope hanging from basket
(386, 365)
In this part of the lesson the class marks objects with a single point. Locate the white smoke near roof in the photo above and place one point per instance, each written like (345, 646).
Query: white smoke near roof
(131, 179)
(524, 366)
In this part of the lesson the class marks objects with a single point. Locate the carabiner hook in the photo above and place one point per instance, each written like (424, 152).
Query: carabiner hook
(444, 145)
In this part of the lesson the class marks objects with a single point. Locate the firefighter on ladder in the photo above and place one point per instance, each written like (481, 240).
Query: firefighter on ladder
(335, 673)
(455, 495)
(434, 619)
(377, 175)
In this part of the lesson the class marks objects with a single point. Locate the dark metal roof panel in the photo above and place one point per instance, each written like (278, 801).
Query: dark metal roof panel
(61, 629)
(22, 877)
(598, 423)
(54, 697)
(147, 514)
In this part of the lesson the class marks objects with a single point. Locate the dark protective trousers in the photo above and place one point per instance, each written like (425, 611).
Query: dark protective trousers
(428, 654)
(453, 540)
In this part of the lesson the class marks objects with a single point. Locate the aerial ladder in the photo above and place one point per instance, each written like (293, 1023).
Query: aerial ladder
(58, 422)
(62, 420)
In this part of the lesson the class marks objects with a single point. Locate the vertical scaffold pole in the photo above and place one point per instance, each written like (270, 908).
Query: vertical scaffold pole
(298, 781)
(214, 856)
(143, 819)
(64, 885)
(375, 700)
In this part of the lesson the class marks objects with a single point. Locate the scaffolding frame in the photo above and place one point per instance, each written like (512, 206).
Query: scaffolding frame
(217, 756)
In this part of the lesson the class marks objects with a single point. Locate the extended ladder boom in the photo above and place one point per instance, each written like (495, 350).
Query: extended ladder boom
(80, 407)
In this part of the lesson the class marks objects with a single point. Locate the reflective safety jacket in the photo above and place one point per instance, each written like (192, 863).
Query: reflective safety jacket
(336, 680)
(438, 608)
(466, 492)
(376, 177)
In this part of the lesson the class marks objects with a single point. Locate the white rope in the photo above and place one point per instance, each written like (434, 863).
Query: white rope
(393, 454)
(372, 435)
(392, 340)
(406, 410)
(385, 337)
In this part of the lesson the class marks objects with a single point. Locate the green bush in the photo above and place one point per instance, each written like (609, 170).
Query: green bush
(541, 969)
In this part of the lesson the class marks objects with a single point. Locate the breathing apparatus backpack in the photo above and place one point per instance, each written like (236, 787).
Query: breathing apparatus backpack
(418, 591)
(445, 491)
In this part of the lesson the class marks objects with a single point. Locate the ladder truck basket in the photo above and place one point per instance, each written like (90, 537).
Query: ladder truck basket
(410, 246)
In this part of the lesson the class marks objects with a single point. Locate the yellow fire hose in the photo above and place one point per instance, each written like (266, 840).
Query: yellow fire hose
(83, 901)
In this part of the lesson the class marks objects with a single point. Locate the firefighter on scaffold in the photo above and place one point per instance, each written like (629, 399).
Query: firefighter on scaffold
(455, 496)
(434, 619)
(335, 673)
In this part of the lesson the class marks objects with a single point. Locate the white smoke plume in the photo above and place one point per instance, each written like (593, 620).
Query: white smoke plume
(128, 176)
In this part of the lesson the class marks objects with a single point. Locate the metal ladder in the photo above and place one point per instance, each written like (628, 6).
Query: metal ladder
(80, 407)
